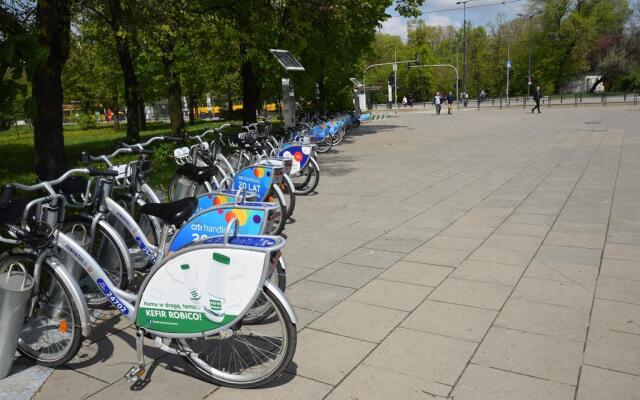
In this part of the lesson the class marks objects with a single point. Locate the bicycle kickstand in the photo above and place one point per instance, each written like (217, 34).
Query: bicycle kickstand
(136, 372)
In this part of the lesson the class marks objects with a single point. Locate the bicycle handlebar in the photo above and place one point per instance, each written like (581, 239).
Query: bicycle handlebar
(47, 185)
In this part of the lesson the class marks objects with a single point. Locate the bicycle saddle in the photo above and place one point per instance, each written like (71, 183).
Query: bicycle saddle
(173, 213)
(197, 174)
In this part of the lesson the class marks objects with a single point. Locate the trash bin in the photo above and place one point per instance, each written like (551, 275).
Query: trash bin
(15, 289)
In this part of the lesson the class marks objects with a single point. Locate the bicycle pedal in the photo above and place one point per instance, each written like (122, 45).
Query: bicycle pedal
(134, 373)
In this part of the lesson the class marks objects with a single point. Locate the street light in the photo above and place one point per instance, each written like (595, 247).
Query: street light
(529, 17)
(464, 34)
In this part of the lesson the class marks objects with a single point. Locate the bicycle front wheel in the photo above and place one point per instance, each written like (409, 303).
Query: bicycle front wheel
(308, 179)
(324, 145)
(246, 356)
(51, 333)
(104, 250)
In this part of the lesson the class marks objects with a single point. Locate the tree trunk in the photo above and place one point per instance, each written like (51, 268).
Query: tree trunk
(191, 103)
(249, 94)
(116, 109)
(142, 115)
(174, 89)
(128, 70)
(53, 25)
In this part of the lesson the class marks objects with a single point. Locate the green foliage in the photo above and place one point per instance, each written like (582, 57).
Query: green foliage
(87, 121)
(20, 54)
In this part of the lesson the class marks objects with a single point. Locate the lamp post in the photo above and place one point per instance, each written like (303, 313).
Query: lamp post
(529, 17)
(464, 34)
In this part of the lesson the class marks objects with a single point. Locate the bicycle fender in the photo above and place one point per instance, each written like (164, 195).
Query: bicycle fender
(76, 293)
(119, 242)
(315, 163)
(283, 300)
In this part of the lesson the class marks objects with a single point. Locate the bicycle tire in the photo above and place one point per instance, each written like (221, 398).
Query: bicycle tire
(119, 275)
(289, 192)
(324, 145)
(313, 178)
(223, 378)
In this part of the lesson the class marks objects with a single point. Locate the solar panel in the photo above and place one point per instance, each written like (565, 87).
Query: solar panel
(356, 82)
(287, 60)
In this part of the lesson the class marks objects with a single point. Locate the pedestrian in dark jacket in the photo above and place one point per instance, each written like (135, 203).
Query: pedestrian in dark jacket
(449, 102)
(537, 95)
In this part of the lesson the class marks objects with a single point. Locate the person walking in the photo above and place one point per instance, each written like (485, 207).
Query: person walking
(537, 95)
(437, 100)
(404, 101)
(449, 102)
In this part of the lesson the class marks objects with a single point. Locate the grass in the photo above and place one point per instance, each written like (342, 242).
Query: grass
(17, 156)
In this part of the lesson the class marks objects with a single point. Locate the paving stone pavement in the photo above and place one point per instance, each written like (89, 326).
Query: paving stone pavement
(484, 255)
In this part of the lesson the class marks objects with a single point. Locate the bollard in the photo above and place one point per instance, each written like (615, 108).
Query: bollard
(15, 290)
(501, 102)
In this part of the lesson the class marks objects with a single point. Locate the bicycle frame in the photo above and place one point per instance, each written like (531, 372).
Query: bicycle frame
(152, 252)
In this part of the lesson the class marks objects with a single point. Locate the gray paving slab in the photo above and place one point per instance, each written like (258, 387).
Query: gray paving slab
(481, 382)
(349, 275)
(545, 319)
(326, 357)
(541, 356)
(488, 272)
(368, 382)
(390, 294)
(610, 349)
(453, 320)
(416, 273)
(316, 296)
(361, 321)
(472, 293)
(433, 358)
(599, 383)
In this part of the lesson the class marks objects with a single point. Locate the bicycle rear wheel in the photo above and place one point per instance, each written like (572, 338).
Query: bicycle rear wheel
(51, 333)
(308, 179)
(247, 356)
(324, 145)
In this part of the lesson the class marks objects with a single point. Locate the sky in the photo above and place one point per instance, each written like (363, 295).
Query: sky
(397, 25)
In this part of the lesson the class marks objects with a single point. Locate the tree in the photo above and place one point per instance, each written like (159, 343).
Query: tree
(53, 26)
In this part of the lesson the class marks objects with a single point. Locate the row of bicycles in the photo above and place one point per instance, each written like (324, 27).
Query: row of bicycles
(201, 275)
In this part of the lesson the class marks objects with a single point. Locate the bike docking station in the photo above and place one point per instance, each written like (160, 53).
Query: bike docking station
(288, 103)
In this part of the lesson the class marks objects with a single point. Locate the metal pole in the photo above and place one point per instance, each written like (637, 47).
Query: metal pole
(395, 77)
(508, 69)
(457, 92)
(464, 30)
(529, 81)
(364, 84)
